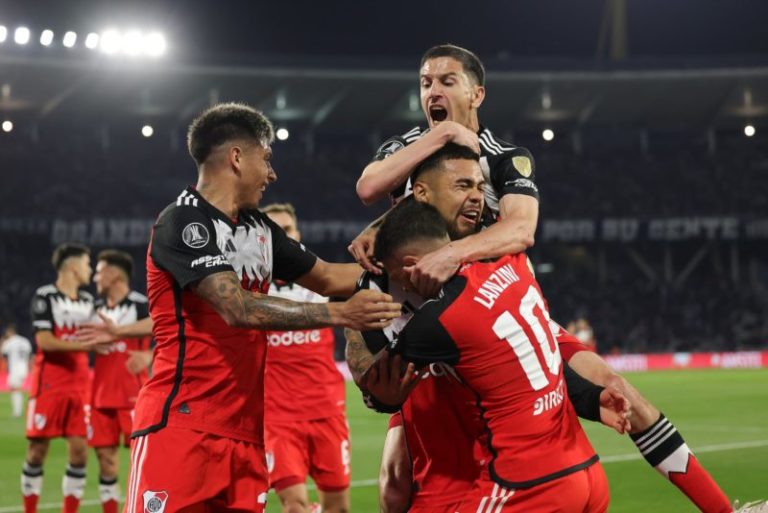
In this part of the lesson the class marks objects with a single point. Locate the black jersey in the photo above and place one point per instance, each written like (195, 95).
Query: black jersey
(507, 168)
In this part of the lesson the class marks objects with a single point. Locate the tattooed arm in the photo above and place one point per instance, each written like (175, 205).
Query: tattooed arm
(238, 307)
(359, 358)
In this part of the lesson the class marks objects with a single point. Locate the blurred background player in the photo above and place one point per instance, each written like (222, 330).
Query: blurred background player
(582, 330)
(115, 386)
(305, 425)
(60, 378)
(17, 351)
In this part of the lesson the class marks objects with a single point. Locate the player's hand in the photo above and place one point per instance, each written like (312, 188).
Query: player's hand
(367, 310)
(97, 336)
(462, 135)
(433, 270)
(387, 382)
(362, 250)
(615, 410)
(138, 361)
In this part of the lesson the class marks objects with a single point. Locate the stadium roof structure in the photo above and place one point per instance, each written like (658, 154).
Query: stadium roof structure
(331, 98)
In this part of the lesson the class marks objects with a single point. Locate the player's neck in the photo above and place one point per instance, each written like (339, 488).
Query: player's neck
(117, 293)
(68, 284)
(220, 195)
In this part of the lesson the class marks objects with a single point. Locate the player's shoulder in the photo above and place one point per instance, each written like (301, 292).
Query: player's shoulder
(493, 145)
(137, 297)
(370, 281)
(84, 295)
(432, 309)
(46, 290)
(187, 206)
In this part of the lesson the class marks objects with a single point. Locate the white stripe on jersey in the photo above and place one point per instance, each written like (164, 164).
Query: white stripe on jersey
(495, 143)
(137, 461)
(186, 199)
(415, 131)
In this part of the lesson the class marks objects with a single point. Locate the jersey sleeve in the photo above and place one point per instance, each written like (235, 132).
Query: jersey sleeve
(389, 147)
(424, 340)
(291, 259)
(41, 313)
(515, 173)
(375, 340)
(584, 395)
(184, 244)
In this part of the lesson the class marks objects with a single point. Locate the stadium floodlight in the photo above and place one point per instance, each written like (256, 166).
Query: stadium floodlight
(3, 33)
(69, 40)
(92, 41)
(282, 134)
(133, 42)
(110, 41)
(46, 37)
(21, 35)
(547, 134)
(749, 130)
(147, 130)
(154, 44)
(7, 126)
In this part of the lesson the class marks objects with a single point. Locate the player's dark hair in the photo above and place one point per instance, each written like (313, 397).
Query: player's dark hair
(68, 250)
(410, 220)
(451, 151)
(280, 208)
(119, 259)
(471, 63)
(227, 122)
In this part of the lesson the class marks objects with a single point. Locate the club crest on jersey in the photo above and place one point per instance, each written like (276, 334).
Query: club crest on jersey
(195, 235)
(40, 305)
(154, 502)
(391, 147)
(523, 165)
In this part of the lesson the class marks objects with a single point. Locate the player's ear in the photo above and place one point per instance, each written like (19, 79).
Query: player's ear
(478, 95)
(420, 191)
(235, 157)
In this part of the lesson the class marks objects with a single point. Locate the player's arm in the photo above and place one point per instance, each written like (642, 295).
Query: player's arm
(596, 403)
(48, 342)
(383, 175)
(244, 309)
(331, 280)
(361, 248)
(93, 334)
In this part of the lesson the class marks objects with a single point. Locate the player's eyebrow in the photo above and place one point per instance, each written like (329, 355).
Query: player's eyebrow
(450, 74)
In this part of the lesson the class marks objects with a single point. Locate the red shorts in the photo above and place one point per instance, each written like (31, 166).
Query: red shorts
(319, 448)
(584, 491)
(105, 425)
(177, 469)
(55, 415)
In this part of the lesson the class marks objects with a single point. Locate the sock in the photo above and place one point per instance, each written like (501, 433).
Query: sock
(17, 402)
(73, 488)
(31, 486)
(109, 494)
(666, 451)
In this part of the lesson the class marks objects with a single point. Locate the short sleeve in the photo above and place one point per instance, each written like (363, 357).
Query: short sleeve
(41, 313)
(389, 147)
(184, 244)
(291, 259)
(515, 173)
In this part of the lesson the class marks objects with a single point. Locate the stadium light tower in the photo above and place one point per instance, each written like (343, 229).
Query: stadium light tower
(46, 37)
(92, 41)
(147, 130)
(154, 44)
(69, 40)
(749, 130)
(282, 134)
(21, 35)
(7, 126)
(547, 134)
(3, 33)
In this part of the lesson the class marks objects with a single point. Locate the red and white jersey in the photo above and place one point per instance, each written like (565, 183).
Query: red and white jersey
(301, 381)
(206, 375)
(60, 372)
(442, 427)
(113, 385)
(492, 325)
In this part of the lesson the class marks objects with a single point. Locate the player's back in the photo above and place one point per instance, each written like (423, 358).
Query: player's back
(494, 328)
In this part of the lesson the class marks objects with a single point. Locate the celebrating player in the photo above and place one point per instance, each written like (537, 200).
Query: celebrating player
(115, 387)
(452, 90)
(198, 427)
(305, 426)
(60, 379)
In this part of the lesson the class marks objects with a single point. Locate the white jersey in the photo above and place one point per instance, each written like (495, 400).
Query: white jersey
(18, 351)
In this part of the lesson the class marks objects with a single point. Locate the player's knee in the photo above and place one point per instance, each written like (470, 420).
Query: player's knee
(295, 505)
(335, 502)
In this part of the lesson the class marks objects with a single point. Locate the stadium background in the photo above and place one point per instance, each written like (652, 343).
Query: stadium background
(654, 212)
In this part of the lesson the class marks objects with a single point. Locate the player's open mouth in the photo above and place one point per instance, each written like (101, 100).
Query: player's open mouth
(438, 113)
(471, 216)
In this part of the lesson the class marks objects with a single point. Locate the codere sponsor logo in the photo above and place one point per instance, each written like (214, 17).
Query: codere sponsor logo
(289, 338)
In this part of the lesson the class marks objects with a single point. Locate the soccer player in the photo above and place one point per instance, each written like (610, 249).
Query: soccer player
(305, 426)
(198, 440)
(17, 351)
(60, 377)
(491, 325)
(115, 387)
(452, 90)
